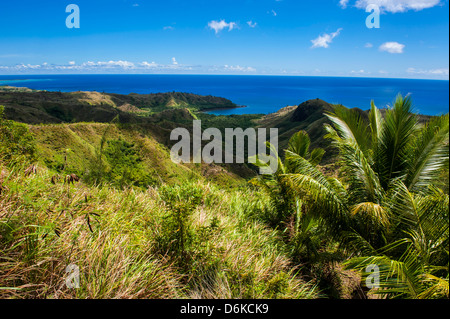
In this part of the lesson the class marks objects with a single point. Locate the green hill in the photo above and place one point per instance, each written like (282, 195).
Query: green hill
(42, 107)
(105, 196)
(309, 116)
(186, 232)
(74, 148)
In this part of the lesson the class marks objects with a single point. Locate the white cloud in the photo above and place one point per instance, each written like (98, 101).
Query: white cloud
(368, 45)
(392, 47)
(358, 72)
(443, 71)
(111, 64)
(168, 27)
(394, 5)
(274, 13)
(323, 41)
(343, 3)
(252, 24)
(29, 66)
(145, 64)
(103, 67)
(239, 68)
(218, 26)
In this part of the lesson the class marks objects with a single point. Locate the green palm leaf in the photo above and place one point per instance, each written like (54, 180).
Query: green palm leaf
(429, 153)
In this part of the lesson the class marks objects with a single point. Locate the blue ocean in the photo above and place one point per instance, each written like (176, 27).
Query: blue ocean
(260, 94)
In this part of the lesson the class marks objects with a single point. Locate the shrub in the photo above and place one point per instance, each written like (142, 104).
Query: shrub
(181, 200)
(16, 141)
(126, 166)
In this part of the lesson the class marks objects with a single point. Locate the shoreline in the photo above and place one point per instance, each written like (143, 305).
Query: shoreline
(222, 108)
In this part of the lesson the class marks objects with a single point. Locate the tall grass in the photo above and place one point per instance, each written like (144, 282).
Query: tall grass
(123, 242)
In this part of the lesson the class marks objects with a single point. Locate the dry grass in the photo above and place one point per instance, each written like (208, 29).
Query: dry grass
(111, 236)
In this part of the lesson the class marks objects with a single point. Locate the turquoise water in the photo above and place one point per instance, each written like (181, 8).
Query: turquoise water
(261, 94)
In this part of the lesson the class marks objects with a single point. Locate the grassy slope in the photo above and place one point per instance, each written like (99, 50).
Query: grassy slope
(114, 237)
(309, 117)
(77, 144)
(36, 107)
(123, 239)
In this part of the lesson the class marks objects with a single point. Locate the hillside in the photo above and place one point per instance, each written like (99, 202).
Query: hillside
(310, 116)
(42, 107)
(106, 198)
(74, 148)
(178, 235)
(159, 114)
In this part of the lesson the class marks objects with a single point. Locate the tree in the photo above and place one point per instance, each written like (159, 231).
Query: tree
(287, 204)
(387, 210)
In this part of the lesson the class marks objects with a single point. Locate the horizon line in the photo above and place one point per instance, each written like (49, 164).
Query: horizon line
(227, 74)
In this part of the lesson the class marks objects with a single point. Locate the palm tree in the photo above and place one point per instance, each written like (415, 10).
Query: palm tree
(388, 209)
(287, 205)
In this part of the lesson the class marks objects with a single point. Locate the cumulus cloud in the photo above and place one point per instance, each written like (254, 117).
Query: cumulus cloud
(343, 3)
(392, 47)
(218, 26)
(359, 72)
(111, 64)
(239, 68)
(443, 71)
(252, 24)
(122, 67)
(147, 65)
(323, 41)
(394, 6)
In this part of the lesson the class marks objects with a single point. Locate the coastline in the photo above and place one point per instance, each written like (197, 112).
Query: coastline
(222, 108)
(260, 94)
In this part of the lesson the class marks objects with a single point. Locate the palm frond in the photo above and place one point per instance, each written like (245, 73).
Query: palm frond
(264, 161)
(372, 211)
(299, 144)
(429, 153)
(364, 184)
(376, 124)
(392, 155)
(322, 199)
(351, 126)
(316, 156)
(438, 287)
(397, 278)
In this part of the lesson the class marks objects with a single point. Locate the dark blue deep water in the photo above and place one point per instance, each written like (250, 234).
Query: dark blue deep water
(261, 94)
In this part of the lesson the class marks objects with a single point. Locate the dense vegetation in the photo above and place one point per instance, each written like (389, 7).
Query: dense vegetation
(388, 208)
(42, 107)
(107, 198)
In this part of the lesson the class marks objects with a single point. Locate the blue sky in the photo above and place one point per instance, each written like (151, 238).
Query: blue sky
(284, 37)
